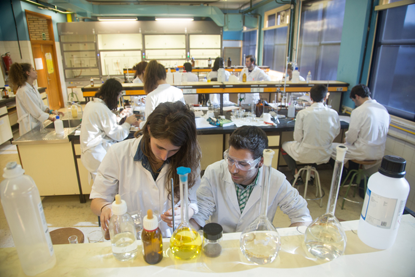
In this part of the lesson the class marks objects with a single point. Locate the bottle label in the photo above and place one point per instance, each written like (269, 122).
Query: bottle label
(128, 248)
(45, 228)
(378, 210)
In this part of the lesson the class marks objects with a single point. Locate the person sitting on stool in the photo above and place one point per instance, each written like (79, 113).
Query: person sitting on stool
(314, 131)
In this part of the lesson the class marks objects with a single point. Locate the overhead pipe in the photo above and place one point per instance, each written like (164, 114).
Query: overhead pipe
(262, 4)
(46, 7)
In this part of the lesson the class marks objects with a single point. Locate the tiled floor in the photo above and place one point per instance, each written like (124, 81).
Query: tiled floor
(66, 211)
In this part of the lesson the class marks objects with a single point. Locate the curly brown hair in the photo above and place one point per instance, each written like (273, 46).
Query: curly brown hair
(154, 72)
(140, 68)
(18, 74)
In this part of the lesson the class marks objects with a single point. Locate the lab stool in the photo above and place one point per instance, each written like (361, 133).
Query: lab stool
(319, 192)
(357, 176)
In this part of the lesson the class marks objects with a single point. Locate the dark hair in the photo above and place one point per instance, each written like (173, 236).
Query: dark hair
(187, 67)
(154, 72)
(109, 92)
(318, 92)
(17, 74)
(217, 64)
(361, 90)
(249, 137)
(139, 68)
(175, 122)
(251, 58)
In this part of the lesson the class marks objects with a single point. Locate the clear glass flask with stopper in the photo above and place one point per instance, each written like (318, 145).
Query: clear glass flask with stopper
(260, 241)
(325, 238)
(185, 243)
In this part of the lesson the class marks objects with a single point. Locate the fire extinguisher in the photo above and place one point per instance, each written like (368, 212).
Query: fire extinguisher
(7, 62)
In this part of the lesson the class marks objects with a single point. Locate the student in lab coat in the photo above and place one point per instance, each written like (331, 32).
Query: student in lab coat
(99, 128)
(290, 73)
(215, 98)
(230, 190)
(140, 70)
(253, 73)
(191, 77)
(315, 129)
(140, 169)
(368, 128)
(31, 111)
(157, 89)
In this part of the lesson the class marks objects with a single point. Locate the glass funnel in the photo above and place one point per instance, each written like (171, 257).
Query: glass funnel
(185, 243)
(260, 241)
(325, 237)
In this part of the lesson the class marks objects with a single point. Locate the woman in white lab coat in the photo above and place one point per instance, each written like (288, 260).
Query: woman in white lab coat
(99, 128)
(157, 89)
(141, 169)
(31, 111)
(140, 70)
(214, 98)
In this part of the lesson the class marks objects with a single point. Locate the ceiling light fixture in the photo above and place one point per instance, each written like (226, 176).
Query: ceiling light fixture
(174, 19)
(117, 19)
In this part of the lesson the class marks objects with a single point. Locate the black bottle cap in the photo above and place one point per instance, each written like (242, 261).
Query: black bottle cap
(212, 231)
(393, 166)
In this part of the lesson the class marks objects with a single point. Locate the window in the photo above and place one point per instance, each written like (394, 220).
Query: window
(275, 48)
(320, 37)
(249, 43)
(392, 73)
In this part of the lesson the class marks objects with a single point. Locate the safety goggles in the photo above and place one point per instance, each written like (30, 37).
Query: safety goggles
(241, 165)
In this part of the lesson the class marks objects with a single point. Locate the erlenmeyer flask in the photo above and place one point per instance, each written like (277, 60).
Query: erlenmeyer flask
(325, 237)
(260, 241)
(185, 243)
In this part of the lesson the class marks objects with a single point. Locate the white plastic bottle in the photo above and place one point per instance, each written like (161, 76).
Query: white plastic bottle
(384, 203)
(59, 126)
(24, 213)
(122, 231)
(177, 77)
(169, 77)
(308, 77)
(296, 76)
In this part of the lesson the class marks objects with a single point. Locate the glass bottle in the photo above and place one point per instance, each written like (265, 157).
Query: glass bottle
(325, 237)
(152, 239)
(259, 109)
(244, 77)
(185, 243)
(193, 62)
(229, 62)
(260, 241)
(212, 233)
(122, 231)
(210, 63)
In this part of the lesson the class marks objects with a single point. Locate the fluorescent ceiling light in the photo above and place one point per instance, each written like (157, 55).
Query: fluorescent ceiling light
(117, 19)
(174, 19)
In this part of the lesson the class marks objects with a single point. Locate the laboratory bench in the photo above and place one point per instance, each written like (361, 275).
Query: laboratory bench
(236, 68)
(293, 259)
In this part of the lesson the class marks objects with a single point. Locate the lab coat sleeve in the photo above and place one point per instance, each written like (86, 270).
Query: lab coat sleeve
(298, 128)
(205, 201)
(338, 127)
(106, 184)
(264, 76)
(112, 129)
(293, 204)
(31, 107)
(354, 129)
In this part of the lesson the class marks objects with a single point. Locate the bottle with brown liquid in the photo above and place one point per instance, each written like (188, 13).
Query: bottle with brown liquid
(244, 77)
(193, 62)
(210, 63)
(229, 62)
(152, 239)
(259, 109)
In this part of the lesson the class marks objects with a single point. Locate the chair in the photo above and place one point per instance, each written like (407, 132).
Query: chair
(357, 175)
(319, 192)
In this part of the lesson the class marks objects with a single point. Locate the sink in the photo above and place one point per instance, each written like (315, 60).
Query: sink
(67, 123)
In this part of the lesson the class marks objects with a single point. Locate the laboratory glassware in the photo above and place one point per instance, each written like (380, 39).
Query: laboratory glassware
(185, 243)
(138, 223)
(212, 233)
(325, 238)
(152, 239)
(379, 224)
(122, 231)
(73, 239)
(260, 241)
(24, 214)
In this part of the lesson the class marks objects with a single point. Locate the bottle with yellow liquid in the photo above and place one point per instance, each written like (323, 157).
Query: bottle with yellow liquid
(244, 77)
(185, 243)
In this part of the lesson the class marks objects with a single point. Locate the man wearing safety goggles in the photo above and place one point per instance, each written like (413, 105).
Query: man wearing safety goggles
(230, 190)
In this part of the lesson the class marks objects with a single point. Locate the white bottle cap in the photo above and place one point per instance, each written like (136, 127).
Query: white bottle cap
(150, 222)
(13, 170)
(119, 207)
(341, 152)
(268, 155)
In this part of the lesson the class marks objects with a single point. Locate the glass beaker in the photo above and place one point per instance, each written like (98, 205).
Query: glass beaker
(260, 241)
(325, 237)
(185, 243)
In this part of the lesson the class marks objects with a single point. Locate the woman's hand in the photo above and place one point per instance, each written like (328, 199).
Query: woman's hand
(61, 114)
(51, 118)
(168, 218)
(132, 120)
(105, 217)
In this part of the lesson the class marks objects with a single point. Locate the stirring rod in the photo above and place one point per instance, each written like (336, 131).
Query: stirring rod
(172, 200)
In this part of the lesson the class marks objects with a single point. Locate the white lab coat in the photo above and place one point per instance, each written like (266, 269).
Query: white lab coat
(191, 98)
(315, 129)
(216, 198)
(257, 74)
(119, 173)
(368, 130)
(30, 108)
(215, 98)
(137, 81)
(191, 77)
(163, 93)
(99, 130)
